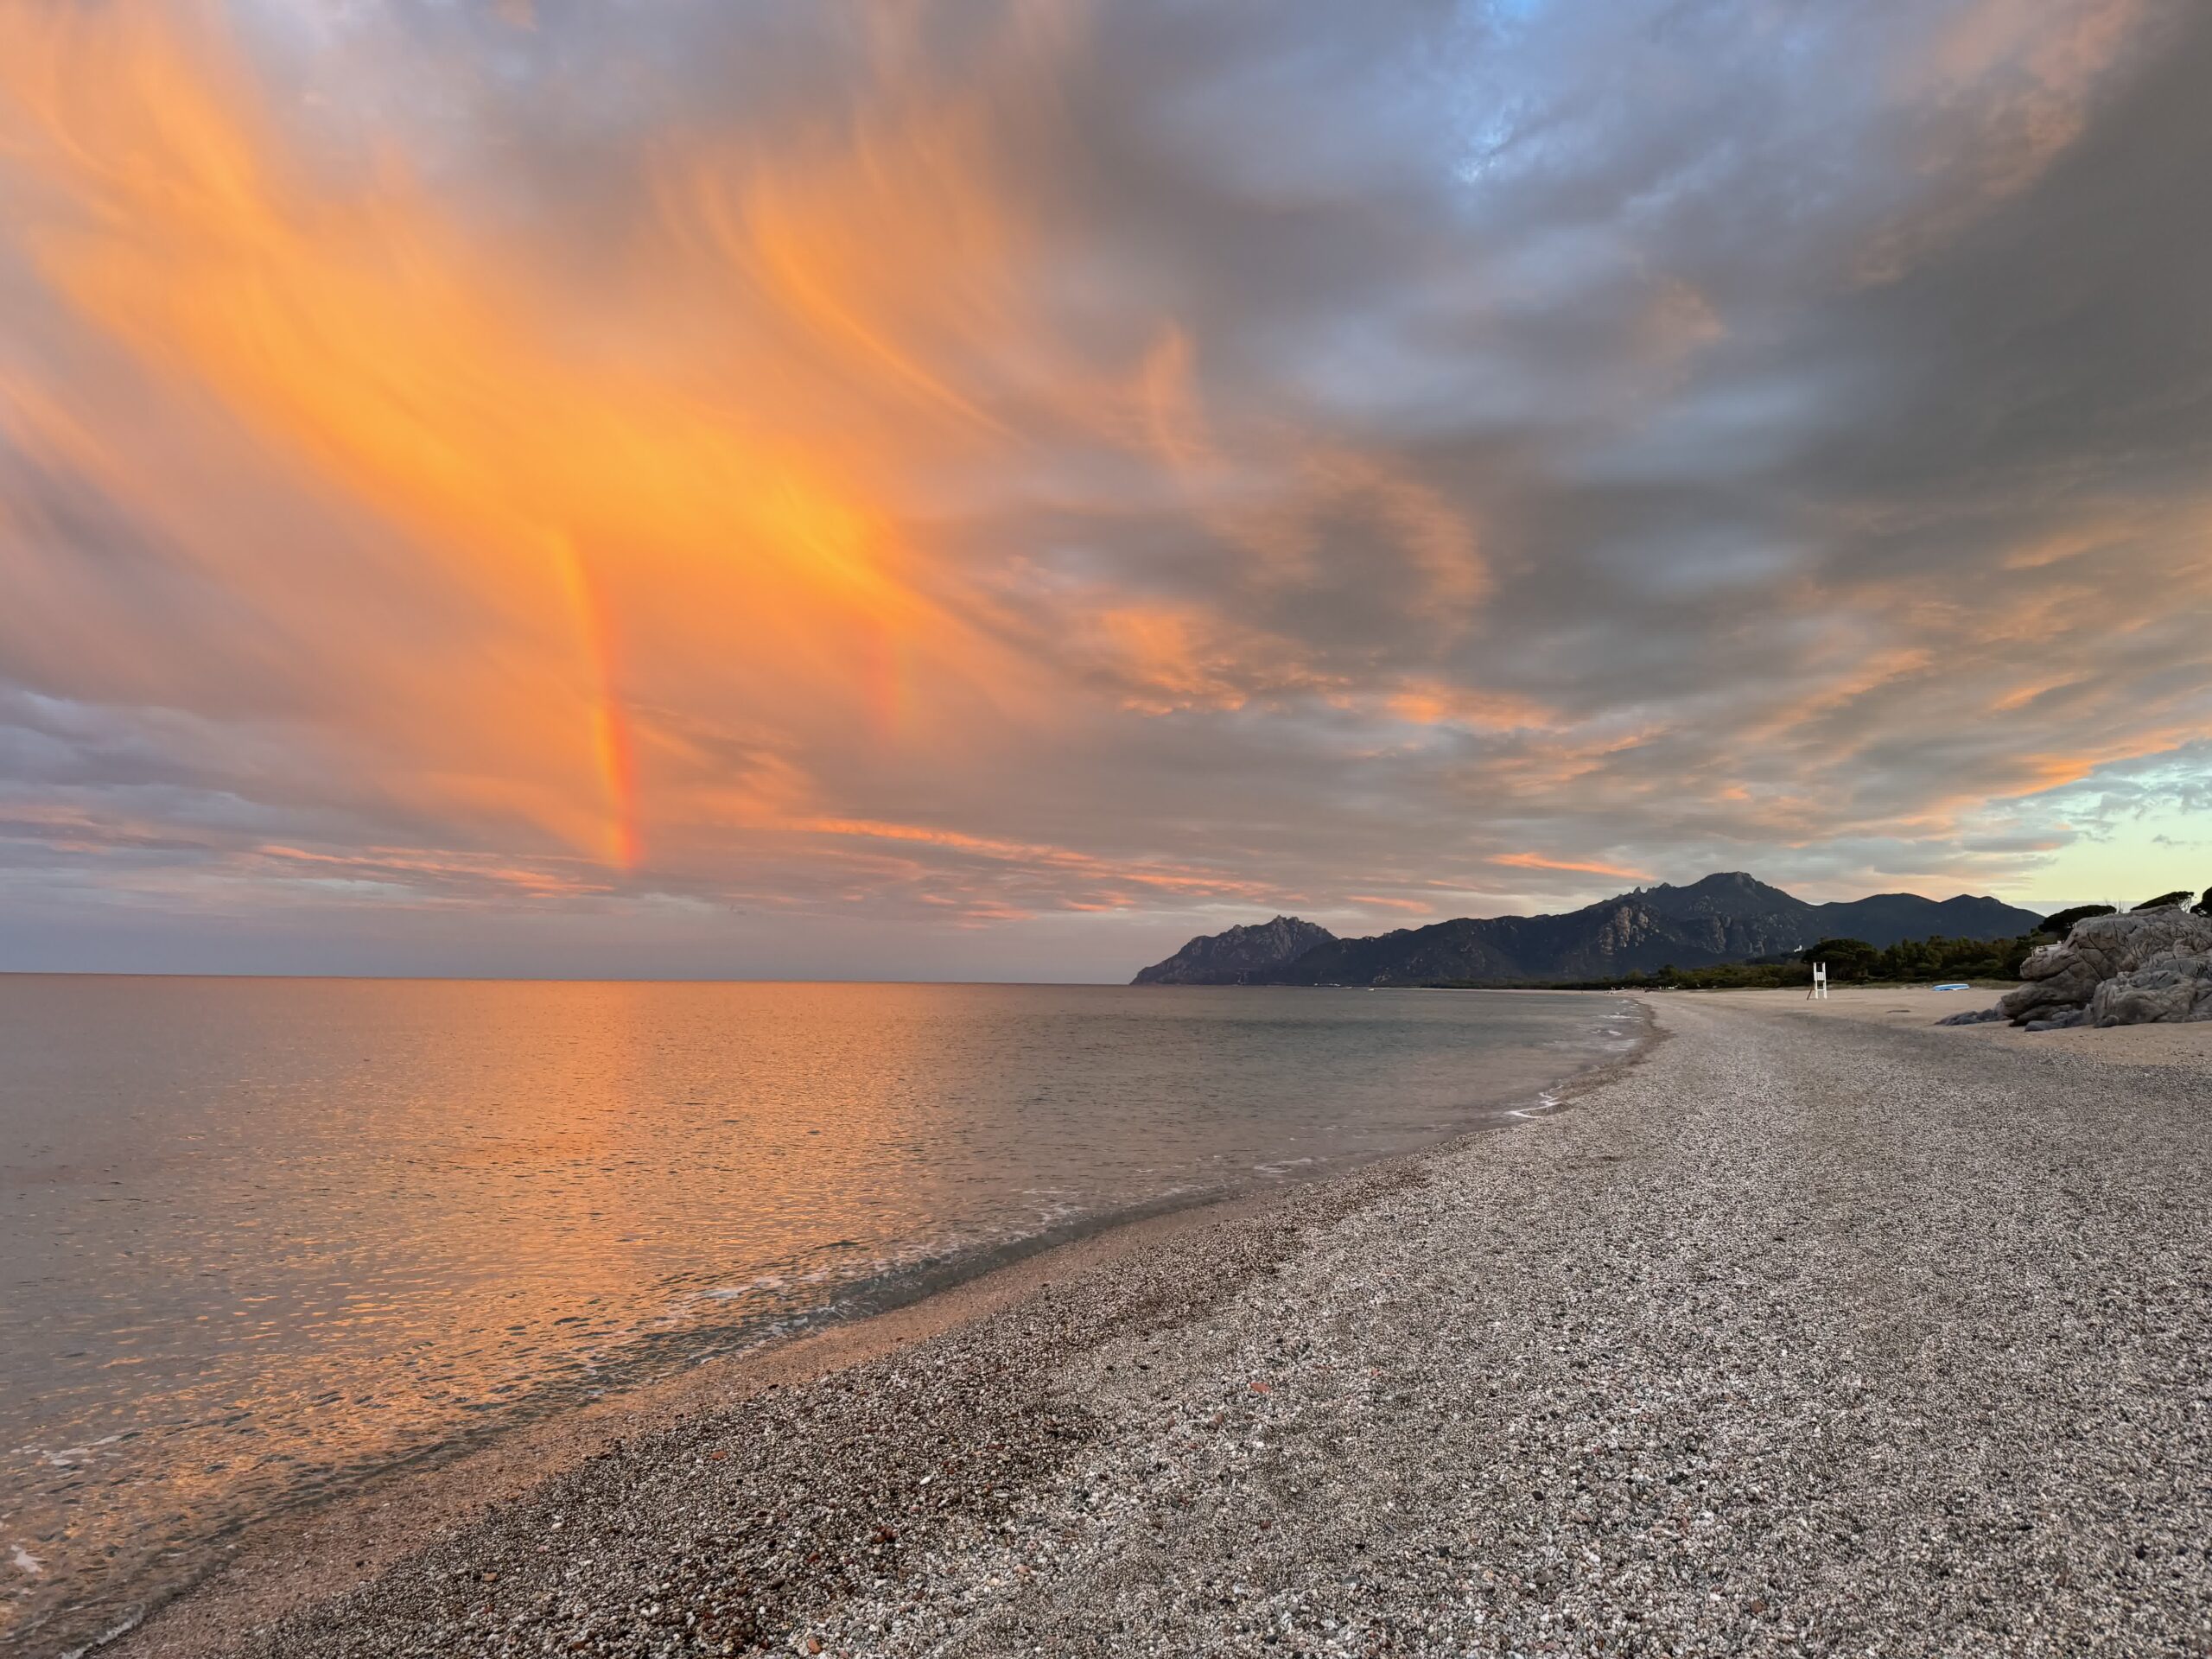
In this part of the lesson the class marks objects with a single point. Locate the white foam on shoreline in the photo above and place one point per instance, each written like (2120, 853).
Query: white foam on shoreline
(1547, 1103)
(137, 1617)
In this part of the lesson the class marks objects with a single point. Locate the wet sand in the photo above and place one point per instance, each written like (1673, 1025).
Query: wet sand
(294, 1561)
(1800, 1335)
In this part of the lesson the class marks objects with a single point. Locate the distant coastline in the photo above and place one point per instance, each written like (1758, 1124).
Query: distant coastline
(1726, 918)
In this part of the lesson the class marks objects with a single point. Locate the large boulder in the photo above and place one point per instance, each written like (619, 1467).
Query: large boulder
(2164, 990)
(2140, 963)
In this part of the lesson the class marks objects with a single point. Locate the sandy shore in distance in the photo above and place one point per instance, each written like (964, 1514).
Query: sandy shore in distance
(2188, 1045)
(1800, 1336)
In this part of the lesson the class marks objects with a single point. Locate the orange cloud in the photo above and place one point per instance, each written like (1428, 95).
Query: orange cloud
(621, 555)
(2000, 93)
(1853, 673)
(1537, 862)
(1413, 907)
(624, 544)
(1170, 657)
(1433, 703)
(1178, 879)
(383, 863)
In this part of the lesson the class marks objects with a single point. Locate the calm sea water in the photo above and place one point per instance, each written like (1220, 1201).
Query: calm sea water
(261, 1237)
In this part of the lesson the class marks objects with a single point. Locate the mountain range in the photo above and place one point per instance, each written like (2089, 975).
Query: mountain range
(1729, 917)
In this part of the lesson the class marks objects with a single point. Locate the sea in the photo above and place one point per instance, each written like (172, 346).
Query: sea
(261, 1239)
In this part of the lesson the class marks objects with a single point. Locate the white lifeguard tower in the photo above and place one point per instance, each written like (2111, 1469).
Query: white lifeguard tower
(1820, 983)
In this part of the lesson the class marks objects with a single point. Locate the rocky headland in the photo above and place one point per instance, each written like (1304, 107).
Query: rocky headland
(1239, 955)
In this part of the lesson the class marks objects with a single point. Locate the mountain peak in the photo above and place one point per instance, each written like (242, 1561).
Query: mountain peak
(1238, 955)
(1727, 893)
(1730, 881)
(1728, 916)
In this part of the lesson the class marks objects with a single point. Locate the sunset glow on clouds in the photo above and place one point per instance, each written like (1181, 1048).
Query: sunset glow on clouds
(591, 488)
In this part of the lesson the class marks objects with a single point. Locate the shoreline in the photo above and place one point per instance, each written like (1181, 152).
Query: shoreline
(325, 1546)
(1804, 1336)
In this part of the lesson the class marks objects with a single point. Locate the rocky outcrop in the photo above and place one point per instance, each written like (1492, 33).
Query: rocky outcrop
(2145, 967)
(1241, 956)
(2164, 990)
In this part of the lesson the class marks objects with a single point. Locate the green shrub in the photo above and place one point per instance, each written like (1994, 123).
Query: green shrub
(1847, 959)
(1849, 962)
(2173, 900)
(2062, 923)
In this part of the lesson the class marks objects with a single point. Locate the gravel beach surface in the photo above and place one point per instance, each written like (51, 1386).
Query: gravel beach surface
(1800, 1336)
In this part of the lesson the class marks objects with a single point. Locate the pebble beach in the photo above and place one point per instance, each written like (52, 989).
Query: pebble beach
(1796, 1335)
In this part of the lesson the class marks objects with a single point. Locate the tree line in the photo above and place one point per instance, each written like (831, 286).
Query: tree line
(1854, 962)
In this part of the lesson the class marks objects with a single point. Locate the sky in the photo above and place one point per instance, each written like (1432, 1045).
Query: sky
(975, 490)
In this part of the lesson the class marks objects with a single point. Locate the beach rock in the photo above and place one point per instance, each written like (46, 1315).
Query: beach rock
(2165, 990)
(1976, 1017)
(2066, 978)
